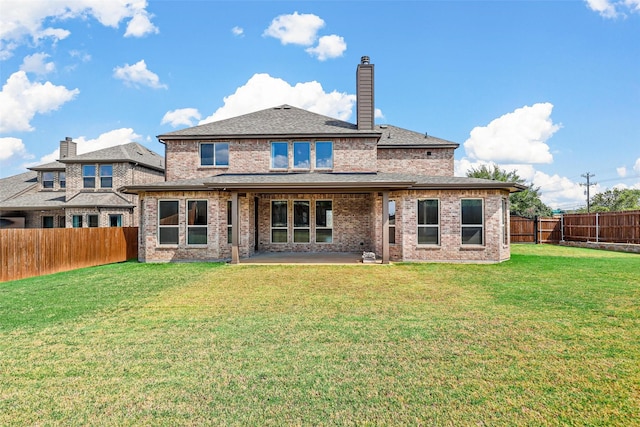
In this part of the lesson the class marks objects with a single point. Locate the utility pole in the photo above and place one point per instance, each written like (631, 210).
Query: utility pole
(588, 176)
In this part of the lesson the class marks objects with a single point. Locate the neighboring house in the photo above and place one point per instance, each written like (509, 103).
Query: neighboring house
(79, 190)
(288, 180)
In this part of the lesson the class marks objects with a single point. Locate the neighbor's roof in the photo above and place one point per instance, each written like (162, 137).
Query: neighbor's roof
(130, 153)
(53, 166)
(17, 184)
(98, 199)
(33, 200)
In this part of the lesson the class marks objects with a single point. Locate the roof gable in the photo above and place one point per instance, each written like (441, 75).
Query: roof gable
(129, 153)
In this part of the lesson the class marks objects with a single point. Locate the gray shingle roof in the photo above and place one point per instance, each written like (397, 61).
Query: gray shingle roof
(130, 153)
(393, 136)
(35, 200)
(16, 184)
(98, 199)
(53, 166)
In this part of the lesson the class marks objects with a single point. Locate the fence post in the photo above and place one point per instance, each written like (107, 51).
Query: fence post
(562, 228)
(597, 228)
(536, 228)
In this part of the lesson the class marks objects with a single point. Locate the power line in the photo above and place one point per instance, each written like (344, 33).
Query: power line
(588, 176)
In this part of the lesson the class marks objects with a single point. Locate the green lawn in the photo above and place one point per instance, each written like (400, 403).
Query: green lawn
(551, 337)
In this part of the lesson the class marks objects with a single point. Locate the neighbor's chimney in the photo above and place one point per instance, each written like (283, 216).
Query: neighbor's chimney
(364, 94)
(68, 148)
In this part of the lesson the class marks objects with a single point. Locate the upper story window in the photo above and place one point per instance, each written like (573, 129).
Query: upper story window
(279, 155)
(89, 176)
(214, 154)
(62, 179)
(301, 155)
(324, 155)
(472, 221)
(47, 179)
(106, 176)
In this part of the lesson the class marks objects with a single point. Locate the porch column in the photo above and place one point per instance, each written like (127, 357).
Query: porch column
(385, 227)
(235, 230)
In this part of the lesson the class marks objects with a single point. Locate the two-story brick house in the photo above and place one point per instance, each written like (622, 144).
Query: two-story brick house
(289, 180)
(80, 190)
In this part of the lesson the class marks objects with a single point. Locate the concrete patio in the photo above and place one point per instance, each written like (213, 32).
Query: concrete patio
(307, 258)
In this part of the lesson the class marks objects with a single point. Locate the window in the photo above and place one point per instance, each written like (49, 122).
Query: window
(301, 224)
(89, 176)
(428, 222)
(324, 221)
(279, 222)
(47, 179)
(324, 155)
(115, 220)
(392, 221)
(472, 221)
(47, 222)
(62, 179)
(92, 220)
(214, 154)
(279, 155)
(62, 222)
(301, 155)
(196, 222)
(229, 222)
(106, 176)
(76, 221)
(168, 222)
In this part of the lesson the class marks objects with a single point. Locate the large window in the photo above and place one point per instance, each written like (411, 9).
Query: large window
(279, 155)
(62, 179)
(214, 154)
(392, 221)
(301, 155)
(472, 221)
(47, 179)
(324, 221)
(301, 223)
(106, 176)
(428, 222)
(279, 222)
(92, 220)
(89, 176)
(324, 155)
(196, 222)
(168, 222)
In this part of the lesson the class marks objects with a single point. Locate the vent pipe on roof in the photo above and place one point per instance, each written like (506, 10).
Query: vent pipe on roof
(68, 148)
(365, 108)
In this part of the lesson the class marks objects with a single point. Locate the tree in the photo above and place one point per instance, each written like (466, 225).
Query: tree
(616, 200)
(526, 203)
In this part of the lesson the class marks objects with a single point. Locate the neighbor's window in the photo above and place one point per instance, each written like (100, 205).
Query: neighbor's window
(428, 222)
(472, 221)
(92, 220)
(89, 176)
(168, 222)
(106, 176)
(196, 222)
(324, 221)
(76, 221)
(115, 220)
(279, 155)
(47, 179)
(62, 222)
(392, 221)
(47, 222)
(214, 154)
(62, 179)
(324, 155)
(301, 155)
(301, 223)
(229, 222)
(279, 223)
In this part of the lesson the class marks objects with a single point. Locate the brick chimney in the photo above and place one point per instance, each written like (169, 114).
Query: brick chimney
(68, 148)
(365, 106)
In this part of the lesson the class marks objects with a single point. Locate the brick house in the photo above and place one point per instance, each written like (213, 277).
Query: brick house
(80, 190)
(289, 180)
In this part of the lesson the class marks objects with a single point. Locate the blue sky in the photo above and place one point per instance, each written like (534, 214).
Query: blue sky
(549, 88)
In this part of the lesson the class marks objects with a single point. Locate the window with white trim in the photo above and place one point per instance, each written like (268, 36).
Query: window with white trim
(472, 221)
(89, 176)
(324, 221)
(429, 222)
(279, 155)
(168, 222)
(214, 154)
(47, 179)
(279, 221)
(106, 176)
(301, 222)
(197, 222)
(324, 155)
(62, 179)
(301, 155)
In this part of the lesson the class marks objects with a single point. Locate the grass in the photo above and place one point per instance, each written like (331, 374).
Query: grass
(548, 338)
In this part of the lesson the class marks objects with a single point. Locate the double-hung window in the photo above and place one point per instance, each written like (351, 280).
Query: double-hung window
(301, 155)
(279, 221)
(62, 179)
(472, 221)
(324, 155)
(88, 176)
(92, 220)
(428, 222)
(301, 223)
(214, 154)
(196, 222)
(106, 176)
(279, 155)
(324, 221)
(168, 222)
(47, 179)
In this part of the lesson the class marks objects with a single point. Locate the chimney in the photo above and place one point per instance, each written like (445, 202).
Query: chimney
(68, 148)
(365, 106)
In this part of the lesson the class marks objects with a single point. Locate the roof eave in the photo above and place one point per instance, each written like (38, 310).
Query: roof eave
(452, 145)
(163, 138)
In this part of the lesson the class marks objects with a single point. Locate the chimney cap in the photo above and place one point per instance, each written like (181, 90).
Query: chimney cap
(364, 60)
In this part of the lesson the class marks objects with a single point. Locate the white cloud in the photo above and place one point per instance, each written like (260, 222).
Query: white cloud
(328, 47)
(622, 171)
(11, 147)
(561, 192)
(517, 137)
(300, 29)
(22, 99)
(263, 91)
(182, 116)
(22, 20)
(636, 166)
(614, 8)
(237, 31)
(37, 64)
(137, 75)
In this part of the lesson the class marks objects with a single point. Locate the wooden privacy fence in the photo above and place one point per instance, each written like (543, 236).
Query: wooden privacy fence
(37, 251)
(538, 230)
